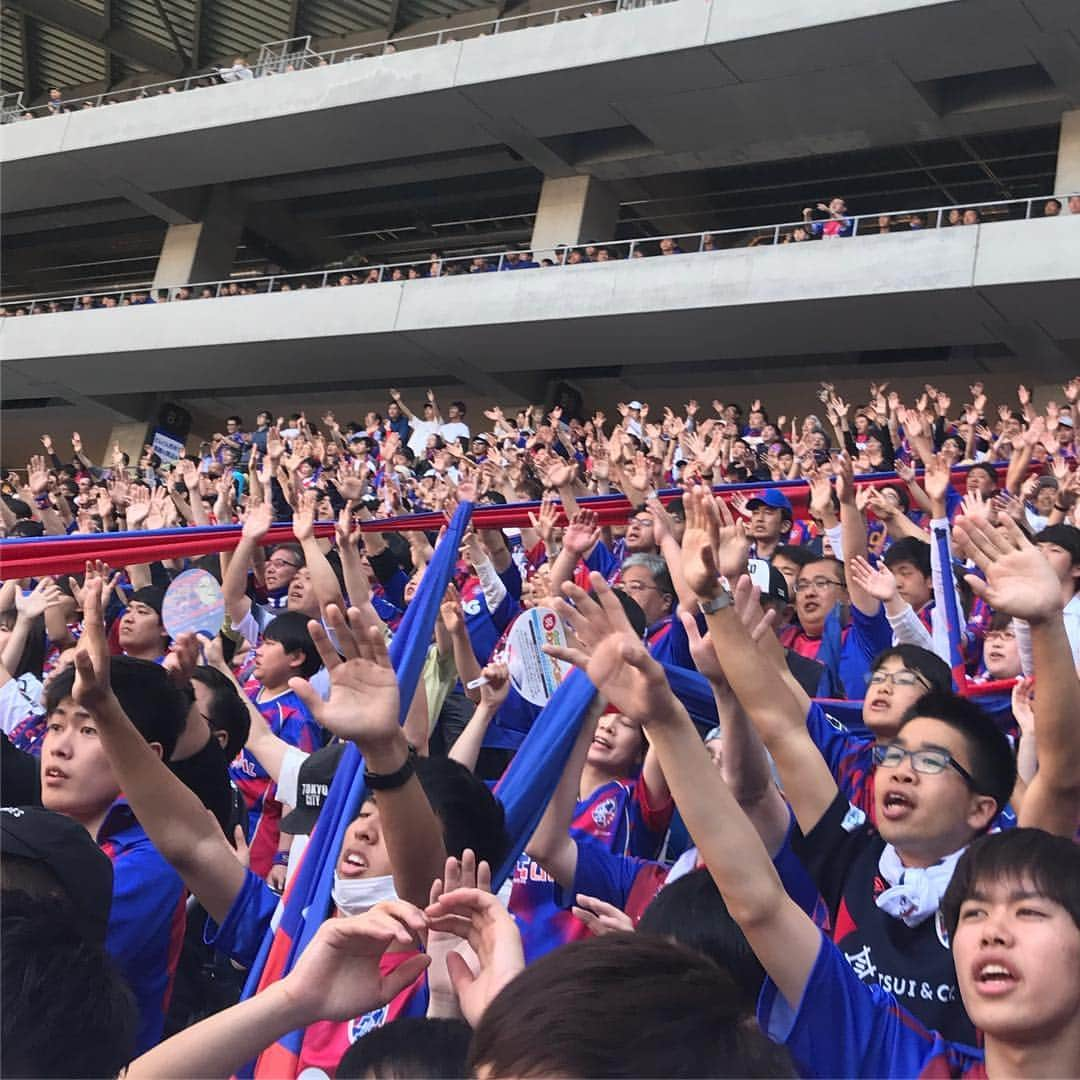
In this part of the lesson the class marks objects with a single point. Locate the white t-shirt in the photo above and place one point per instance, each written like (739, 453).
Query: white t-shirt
(19, 698)
(454, 430)
(421, 429)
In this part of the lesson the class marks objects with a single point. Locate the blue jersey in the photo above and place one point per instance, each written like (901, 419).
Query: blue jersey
(844, 1027)
(146, 921)
(618, 816)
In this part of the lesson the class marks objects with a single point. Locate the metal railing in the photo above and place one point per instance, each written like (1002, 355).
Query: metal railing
(819, 230)
(286, 57)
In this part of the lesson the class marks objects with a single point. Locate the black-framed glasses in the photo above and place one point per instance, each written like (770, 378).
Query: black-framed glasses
(819, 583)
(928, 762)
(903, 677)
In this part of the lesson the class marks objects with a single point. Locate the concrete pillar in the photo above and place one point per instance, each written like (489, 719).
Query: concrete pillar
(1067, 181)
(573, 210)
(204, 250)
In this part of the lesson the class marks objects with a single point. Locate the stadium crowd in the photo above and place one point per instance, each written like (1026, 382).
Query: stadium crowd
(825, 221)
(820, 818)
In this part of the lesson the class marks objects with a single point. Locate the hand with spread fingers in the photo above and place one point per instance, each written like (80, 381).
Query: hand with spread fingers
(481, 920)
(610, 653)
(364, 699)
(1019, 579)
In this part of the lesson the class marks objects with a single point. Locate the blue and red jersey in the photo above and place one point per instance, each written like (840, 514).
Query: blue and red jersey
(147, 919)
(240, 936)
(845, 1027)
(289, 719)
(618, 815)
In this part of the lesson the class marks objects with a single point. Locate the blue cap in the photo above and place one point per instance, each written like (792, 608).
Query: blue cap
(772, 497)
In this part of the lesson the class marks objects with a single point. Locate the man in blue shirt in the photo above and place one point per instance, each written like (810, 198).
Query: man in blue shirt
(146, 922)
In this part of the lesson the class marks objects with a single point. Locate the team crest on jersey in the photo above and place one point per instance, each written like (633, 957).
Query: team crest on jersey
(833, 722)
(939, 926)
(362, 1025)
(471, 607)
(604, 813)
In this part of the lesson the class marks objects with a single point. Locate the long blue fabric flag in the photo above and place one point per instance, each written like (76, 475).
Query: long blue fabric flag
(308, 899)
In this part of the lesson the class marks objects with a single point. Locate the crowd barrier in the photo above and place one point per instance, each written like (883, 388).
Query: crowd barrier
(35, 556)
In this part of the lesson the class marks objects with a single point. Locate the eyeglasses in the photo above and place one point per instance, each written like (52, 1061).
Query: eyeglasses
(927, 762)
(819, 583)
(281, 562)
(642, 521)
(897, 678)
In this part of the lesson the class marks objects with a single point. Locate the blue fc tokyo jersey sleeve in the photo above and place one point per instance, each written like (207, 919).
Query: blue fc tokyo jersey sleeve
(844, 1027)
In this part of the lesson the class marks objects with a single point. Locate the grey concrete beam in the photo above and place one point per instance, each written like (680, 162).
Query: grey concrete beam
(87, 24)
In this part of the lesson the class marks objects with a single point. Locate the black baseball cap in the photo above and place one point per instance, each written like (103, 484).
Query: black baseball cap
(316, 775)
(68, 851)
(766, 577)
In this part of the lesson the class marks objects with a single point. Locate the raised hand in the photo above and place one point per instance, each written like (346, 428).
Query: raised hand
(495, 691)
(303, 521)
(364, 701)
(45, 594)
(138, 507)
(480, 919)
(878, 581)
(611, 654)
(1023, 705)
(92, 688)
(182, 659)
(546, 521)
(76, 442)
(974, 506)
(936, 479)
(600, 916)
(337, 977)
(37, 475)
(582, 534)
(257, 521)
(1019, 579)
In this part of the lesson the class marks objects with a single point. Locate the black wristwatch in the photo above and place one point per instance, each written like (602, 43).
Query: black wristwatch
(396, 779)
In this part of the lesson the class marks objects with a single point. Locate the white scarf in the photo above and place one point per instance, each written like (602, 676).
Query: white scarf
(915, 892)
(356, 896)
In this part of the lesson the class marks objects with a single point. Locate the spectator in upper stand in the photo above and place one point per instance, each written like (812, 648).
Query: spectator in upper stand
(971, 216)
(55, 104)
(1051, 208)
(263, 422)
(1074, 204)
(239, 72)
(955, 216)
(455, 427)
(668, 246)
(837, 224)
(770, 522)
(422, 429)
(397, 421)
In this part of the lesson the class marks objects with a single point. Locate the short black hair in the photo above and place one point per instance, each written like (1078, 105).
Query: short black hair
(692, 912)
(234, 419)
(1049, 864)
(414, 1046)
(992, 765)
(67, 1011)
(289, 630)
(677, 509)
(795, 553)
(662, 1010)
(915, 658)
(228, 712)
(471, 816)
(1064, 536)
(151, 702)
(460, 406)
(985, 467)
(910, 549)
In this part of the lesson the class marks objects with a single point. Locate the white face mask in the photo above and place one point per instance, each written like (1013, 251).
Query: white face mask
(356, 896)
